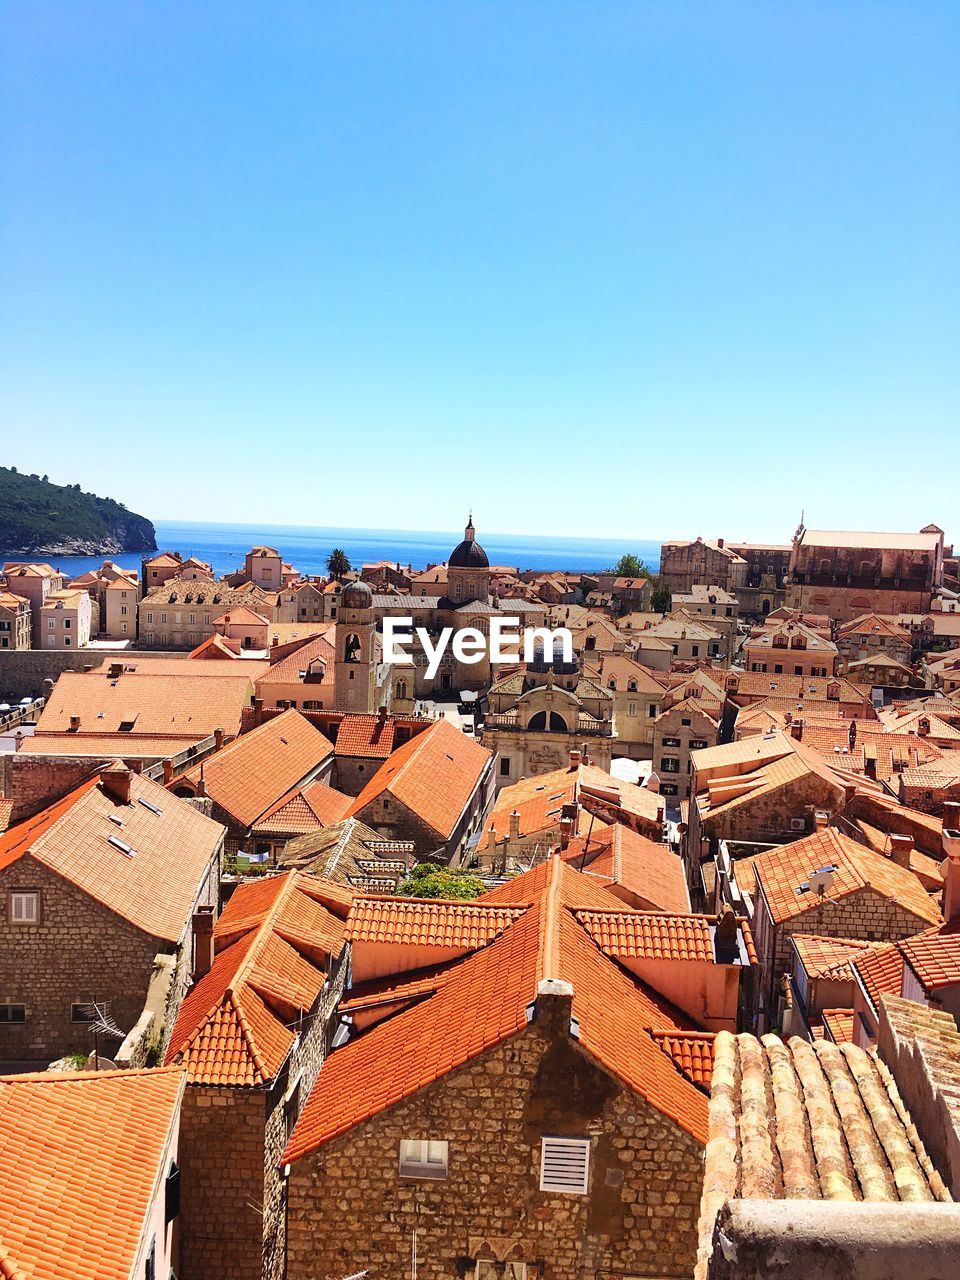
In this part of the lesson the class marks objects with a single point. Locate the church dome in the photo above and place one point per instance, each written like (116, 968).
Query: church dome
(356, 595)
(468, 554)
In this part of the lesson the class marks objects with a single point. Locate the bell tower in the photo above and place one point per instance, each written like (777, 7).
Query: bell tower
(354, 670)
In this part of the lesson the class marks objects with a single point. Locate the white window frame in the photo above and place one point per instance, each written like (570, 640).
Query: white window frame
(490, 1269)
(423, 1158)
(570, 1152)
(17, 898)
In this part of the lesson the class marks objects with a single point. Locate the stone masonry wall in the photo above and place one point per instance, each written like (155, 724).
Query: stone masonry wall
(79, 950)
(348, 1210)
(221, 1170)
(23, 671)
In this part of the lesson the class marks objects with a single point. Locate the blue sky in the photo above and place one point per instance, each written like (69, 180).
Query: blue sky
(631, 270)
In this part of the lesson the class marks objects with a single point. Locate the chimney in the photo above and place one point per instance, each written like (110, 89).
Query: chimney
(202, 942)
(554, 1006)
(726, 943)
(852, 733)
(788, 718)
(167, 772)
(821, 820)
(566, 829)
(796, 729)
(217, 739)
(382, 715)
(950, 867)
(870, 760)
(574, 758)
(115, 780)
(74, 723)
(257, 711)
(901, 848)
(514, 831)
(720, 543)
(923, 727)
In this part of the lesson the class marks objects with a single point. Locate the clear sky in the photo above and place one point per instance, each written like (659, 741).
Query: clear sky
(616, 269)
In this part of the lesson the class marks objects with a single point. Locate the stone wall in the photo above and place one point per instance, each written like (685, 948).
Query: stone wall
(23, 672)
(348, 1210)
(78, 951)
(33, 782)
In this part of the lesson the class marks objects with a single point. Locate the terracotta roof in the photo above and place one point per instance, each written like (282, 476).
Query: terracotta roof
(781, 871)
(134, 663)
(433, 775)
(827, 957)
(81, 1158)
(251, 773)
(191, 704)
(839, 1025)
(304, 809)
(869, 540)
(350, 853)
(484, 1000)
(761, 684)
(649, 936)
(366, 736)
(215, 648)
(934, 956)
(154, 886)
(806, 1121)
(426, 923)
(291, 669)
(129, 746)
(692, 1051)
(641, 867)
(880, 970)
(273, 942)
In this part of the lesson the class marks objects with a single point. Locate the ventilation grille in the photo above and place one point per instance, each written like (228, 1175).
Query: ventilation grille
(565, 1165)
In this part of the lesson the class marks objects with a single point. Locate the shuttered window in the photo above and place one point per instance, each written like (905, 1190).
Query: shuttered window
(565, 1164)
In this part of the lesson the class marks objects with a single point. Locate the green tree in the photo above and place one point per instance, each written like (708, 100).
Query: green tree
(338, 566)
(630, 566)
(660, 599)
(428, 881)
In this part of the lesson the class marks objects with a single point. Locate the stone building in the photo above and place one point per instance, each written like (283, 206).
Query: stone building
(829, 885)
(691, 641)
(763, 586)
(679, 729)
(95, 887)
(33, 582)
(434, 791)
(252, 1034)
(871, 635)
(247, 778)
(846, 574)
(684, 564)
(542, 1127)
(637, 695)
(718, 608)
(65, 619)
(537, 714)
(14, 621)
(179, 614)
(790, 648)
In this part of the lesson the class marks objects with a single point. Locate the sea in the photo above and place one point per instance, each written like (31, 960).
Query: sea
(224, 546)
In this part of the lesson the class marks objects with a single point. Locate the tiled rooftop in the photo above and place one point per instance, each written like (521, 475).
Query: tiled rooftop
(81, 1155)
(273, 942)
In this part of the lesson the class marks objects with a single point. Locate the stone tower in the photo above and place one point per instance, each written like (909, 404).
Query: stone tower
(468, 570)
(354, 668)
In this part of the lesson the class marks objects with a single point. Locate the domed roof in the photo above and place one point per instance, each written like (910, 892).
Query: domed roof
(356, 595)
(468, 554)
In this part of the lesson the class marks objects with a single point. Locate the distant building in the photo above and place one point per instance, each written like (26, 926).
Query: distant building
(33, 582)
(846, 574)
(14, 621)
(65, 619)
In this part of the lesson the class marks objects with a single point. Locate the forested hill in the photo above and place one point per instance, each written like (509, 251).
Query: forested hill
(37, 517)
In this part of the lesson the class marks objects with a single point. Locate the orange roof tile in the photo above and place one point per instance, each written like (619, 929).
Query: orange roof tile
(645, 869)
(484, 1000)
(649, 936)
(81, 836)
(422, 922)
(692, 1051)
(251, 773)
(839, 1025)
(827, 957)
(880, 970)
(367, 736)
(433, 775)
(781, 871)
(81, 1156)
(236, 1026)
(934, 956)
(304, 809)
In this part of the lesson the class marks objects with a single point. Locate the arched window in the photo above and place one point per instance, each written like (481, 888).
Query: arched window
(538, 723)
(351, 648)
(401, 690)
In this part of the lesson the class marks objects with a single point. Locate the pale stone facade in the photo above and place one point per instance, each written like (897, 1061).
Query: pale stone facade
(65, 619)
(14, 621)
